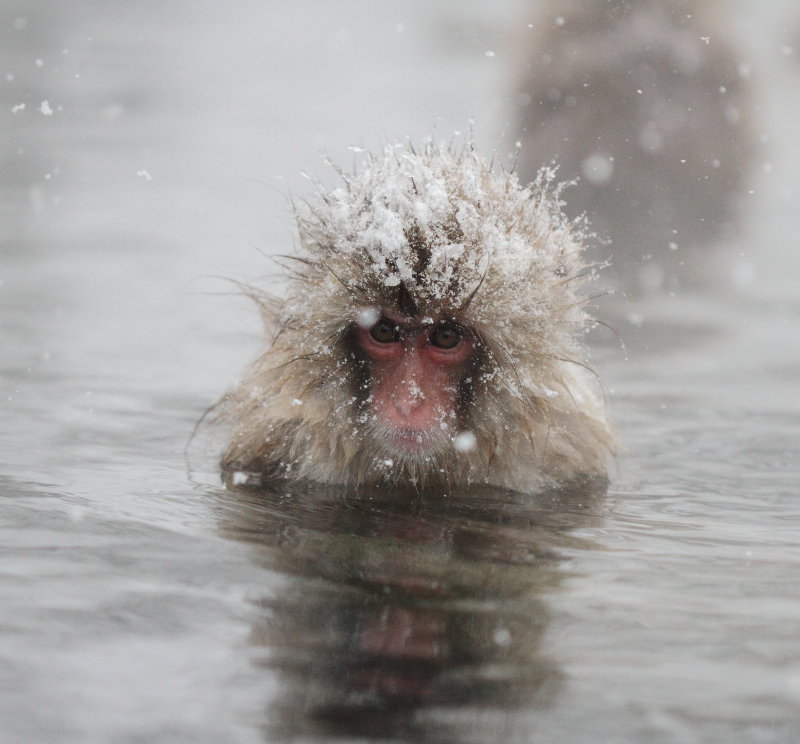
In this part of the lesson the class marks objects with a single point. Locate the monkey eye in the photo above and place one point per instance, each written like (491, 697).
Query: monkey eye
(385, 332)
(445, 336)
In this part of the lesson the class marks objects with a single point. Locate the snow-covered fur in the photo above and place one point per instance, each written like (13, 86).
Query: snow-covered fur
(428, 232)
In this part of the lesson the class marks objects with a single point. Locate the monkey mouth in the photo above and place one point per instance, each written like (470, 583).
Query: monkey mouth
(410, 441)
(406, 444)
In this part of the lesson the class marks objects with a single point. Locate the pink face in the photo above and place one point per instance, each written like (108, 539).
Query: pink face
(415, 373)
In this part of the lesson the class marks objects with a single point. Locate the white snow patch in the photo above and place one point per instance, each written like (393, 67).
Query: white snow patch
(239, 478)
(367, 317)
(598, 168)
(464, 442)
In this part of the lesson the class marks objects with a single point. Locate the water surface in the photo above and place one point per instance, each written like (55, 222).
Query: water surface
(142, 602)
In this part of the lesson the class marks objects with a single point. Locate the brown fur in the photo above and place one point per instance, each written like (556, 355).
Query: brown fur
(428, 233)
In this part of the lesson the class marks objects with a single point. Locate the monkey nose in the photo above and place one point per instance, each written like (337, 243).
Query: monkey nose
(405, 407)
(407, 398)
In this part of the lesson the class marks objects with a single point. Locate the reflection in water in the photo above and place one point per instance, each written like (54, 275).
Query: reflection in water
(399, 604)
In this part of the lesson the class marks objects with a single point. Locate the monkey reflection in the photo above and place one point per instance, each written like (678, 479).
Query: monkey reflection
(396, 606)
(647, 103)
(430, 337)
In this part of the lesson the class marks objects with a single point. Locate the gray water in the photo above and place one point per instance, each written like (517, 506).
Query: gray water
(140, 601)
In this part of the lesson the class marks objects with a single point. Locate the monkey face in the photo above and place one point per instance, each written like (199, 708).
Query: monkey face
(416, 370)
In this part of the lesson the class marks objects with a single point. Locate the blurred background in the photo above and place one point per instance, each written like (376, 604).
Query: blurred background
(147, 153)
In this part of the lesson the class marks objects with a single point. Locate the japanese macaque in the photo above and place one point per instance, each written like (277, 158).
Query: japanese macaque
(430, 337)
(646, 102)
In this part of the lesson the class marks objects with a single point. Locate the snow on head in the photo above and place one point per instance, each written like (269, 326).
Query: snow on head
(436, 232)
(433, 227)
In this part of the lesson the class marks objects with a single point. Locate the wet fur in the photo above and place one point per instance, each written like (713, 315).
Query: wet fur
(302, 410)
